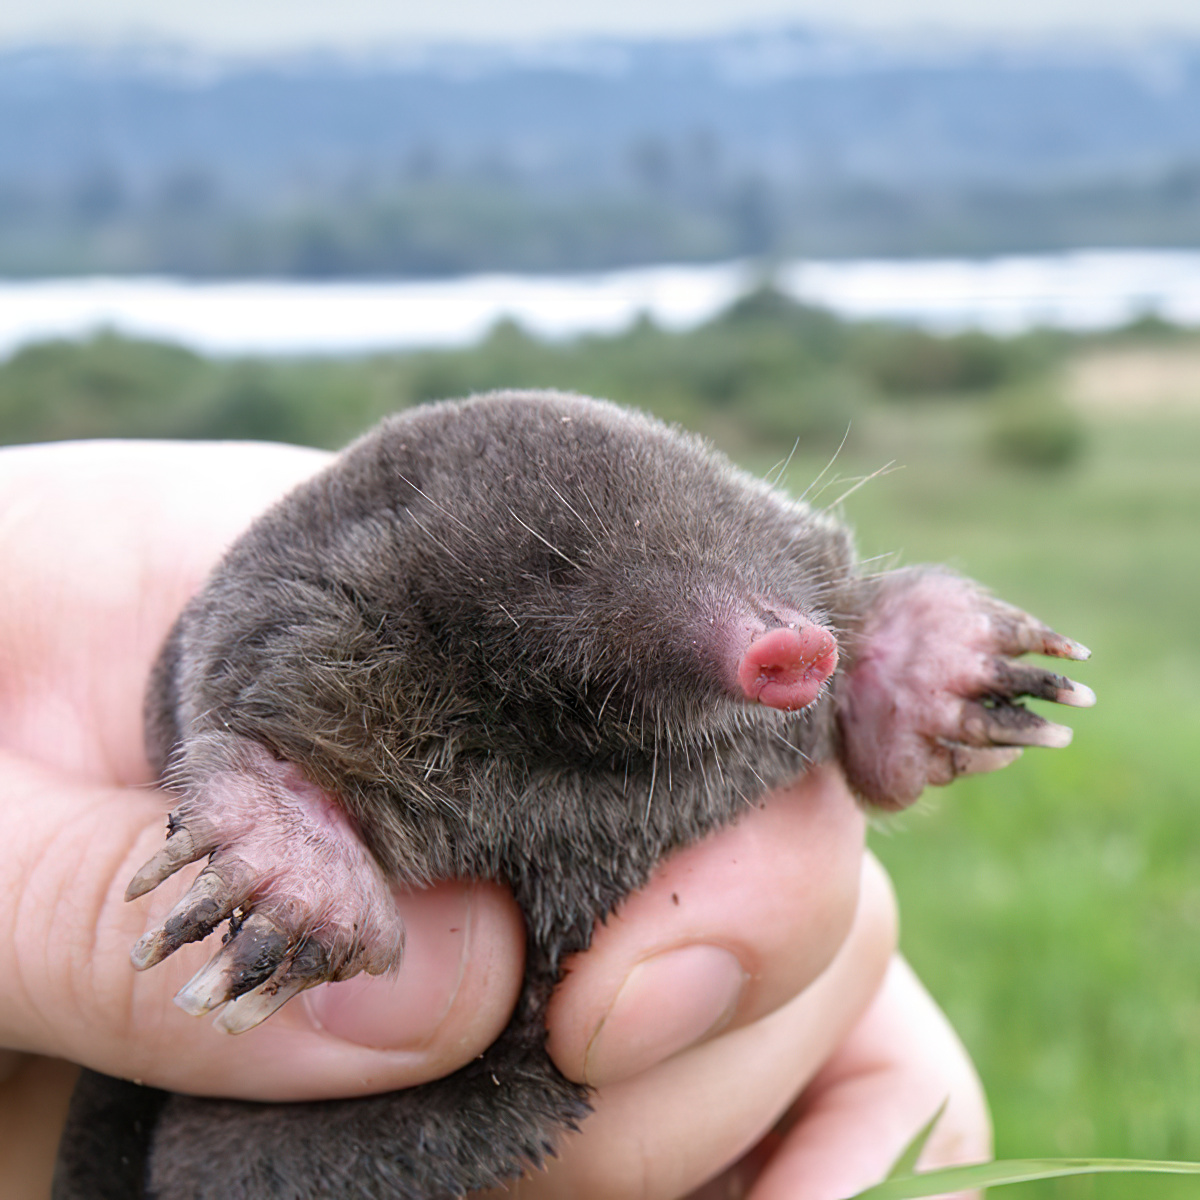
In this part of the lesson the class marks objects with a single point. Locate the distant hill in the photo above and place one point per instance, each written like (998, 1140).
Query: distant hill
(591, 154)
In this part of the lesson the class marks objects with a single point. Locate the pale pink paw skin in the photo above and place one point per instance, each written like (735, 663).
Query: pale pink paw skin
(932, 692)
(305, 901)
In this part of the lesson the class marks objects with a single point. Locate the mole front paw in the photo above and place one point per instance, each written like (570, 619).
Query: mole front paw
(934, 691)
(305, 901)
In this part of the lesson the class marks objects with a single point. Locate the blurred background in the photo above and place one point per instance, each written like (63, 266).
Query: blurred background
(964, 244)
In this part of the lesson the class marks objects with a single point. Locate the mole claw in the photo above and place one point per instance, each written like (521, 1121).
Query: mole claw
(974, 760)
(1010, 678)
(248, 958)
(202, 908)
(179, 849)
(255, 1007)
(1065, 647)
(307, 964)
(1043, 733)
(206, 990)
(149, 950)
(1076, 695)
(1010, 725)
(1016, 632)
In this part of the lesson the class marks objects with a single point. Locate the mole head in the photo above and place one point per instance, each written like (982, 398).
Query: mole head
(609, 576)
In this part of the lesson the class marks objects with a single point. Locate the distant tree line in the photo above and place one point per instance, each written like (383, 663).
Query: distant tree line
(444, 223)
(595, 155)
(762, 374)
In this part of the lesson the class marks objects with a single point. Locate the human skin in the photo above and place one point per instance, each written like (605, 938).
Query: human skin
(745, 1007)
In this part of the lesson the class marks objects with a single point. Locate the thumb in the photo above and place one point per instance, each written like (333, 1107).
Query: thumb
(67, 989)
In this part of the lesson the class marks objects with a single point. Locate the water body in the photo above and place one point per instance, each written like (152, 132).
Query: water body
(1080, 290)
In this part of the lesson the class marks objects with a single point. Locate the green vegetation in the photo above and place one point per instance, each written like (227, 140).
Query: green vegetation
(449, 224)
(425, 228)
(1054, 908)
(1035, 428)
(764, 373)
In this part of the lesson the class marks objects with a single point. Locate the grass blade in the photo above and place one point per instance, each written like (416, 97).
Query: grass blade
(1016, 1170)
(904, 1166)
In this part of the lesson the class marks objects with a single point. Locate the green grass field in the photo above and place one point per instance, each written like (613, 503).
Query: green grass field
(1054, 908)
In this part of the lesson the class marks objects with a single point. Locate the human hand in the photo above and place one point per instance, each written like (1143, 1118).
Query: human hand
(813, 1100)
(103, 543)
(892, 1073)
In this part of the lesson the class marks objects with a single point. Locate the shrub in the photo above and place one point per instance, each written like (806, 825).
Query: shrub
(907, 362)
(1036, 429)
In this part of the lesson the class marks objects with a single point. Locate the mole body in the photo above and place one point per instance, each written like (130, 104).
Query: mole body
(528, 637)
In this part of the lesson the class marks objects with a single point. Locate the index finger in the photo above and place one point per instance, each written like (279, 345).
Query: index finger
(103, 543)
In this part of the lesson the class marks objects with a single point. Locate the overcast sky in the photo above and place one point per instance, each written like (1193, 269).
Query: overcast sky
(257, 25)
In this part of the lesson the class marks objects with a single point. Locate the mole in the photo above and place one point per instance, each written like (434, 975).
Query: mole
(528, 637)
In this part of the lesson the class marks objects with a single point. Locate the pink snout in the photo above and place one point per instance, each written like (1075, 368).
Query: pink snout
(785, 668)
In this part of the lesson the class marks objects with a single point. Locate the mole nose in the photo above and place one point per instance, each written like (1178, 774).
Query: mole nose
(785, 668)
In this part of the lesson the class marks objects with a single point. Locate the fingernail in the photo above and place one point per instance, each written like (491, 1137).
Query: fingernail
(665, 1004)
(404, 1010)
